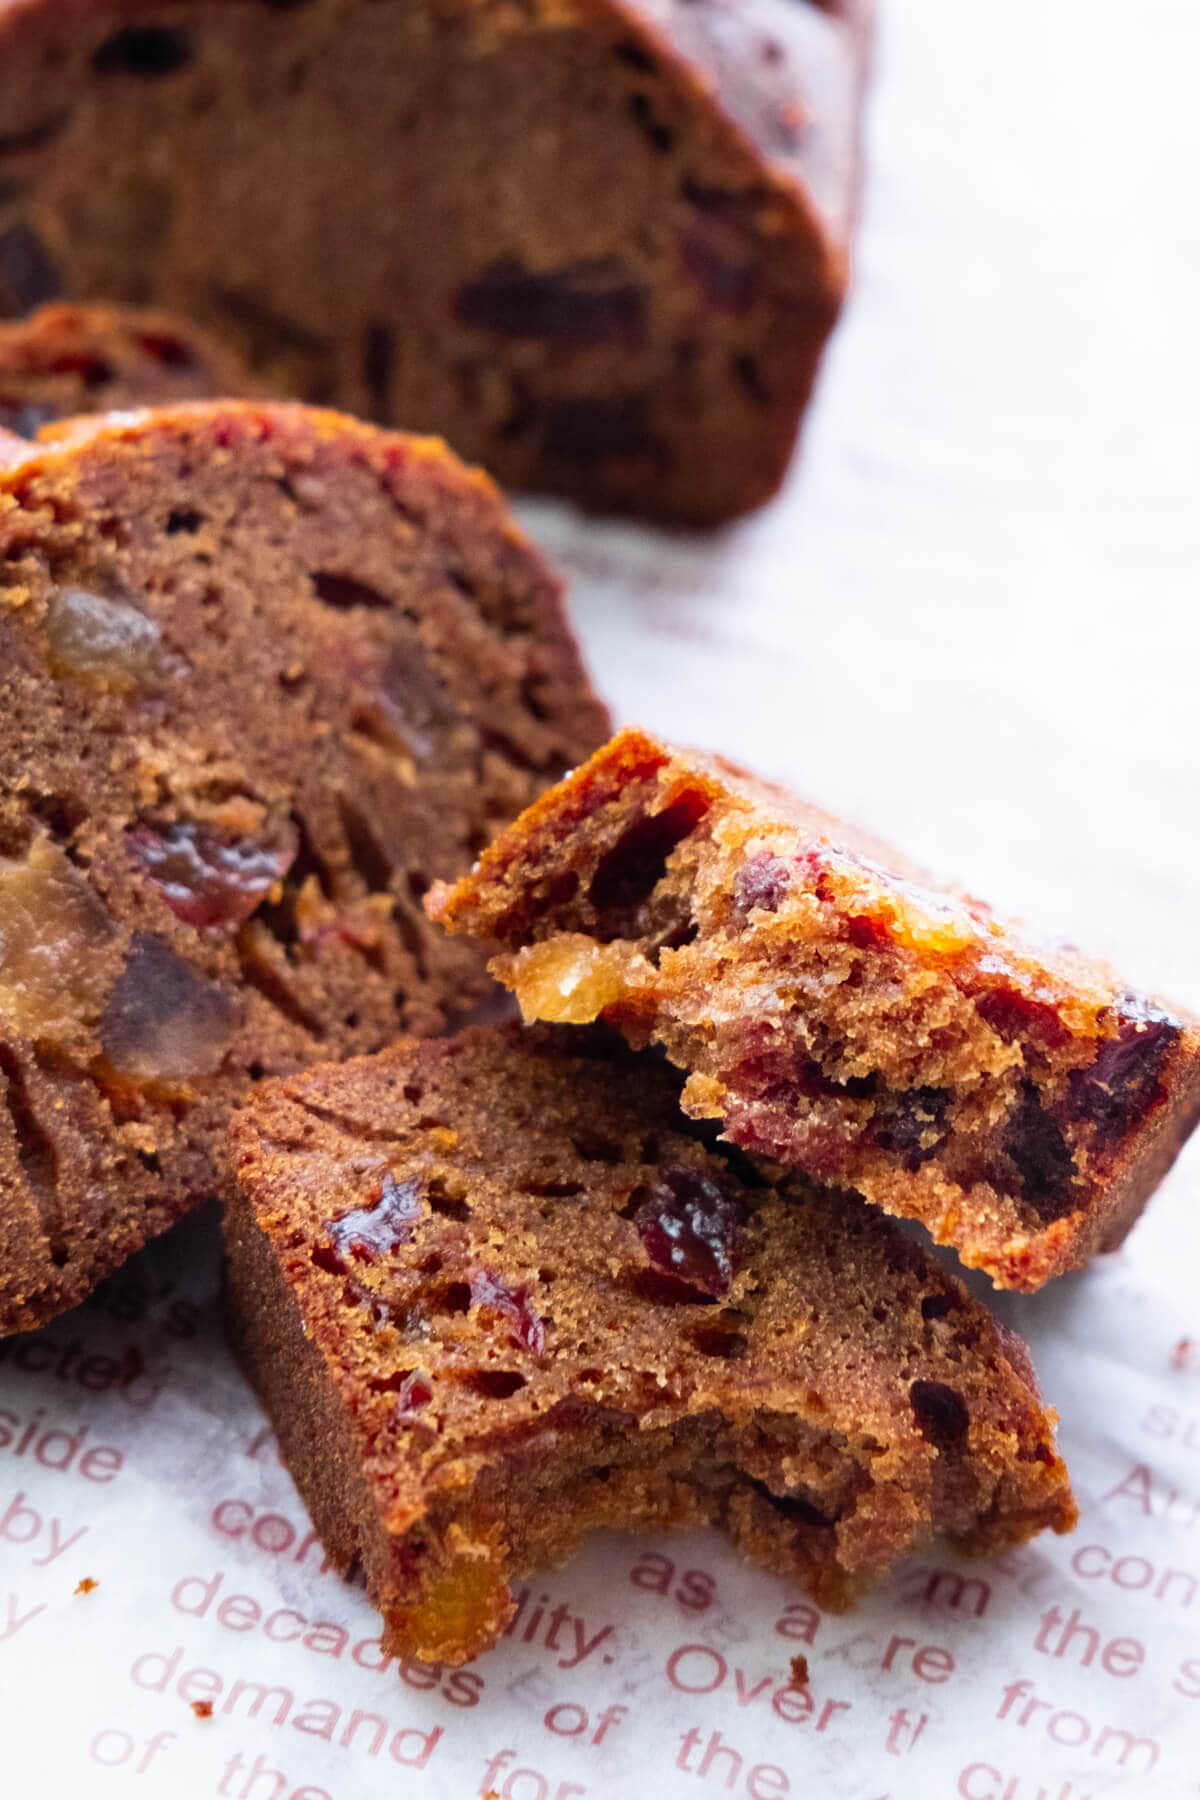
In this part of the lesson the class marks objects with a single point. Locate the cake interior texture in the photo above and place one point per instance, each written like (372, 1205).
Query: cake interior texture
(836, 1009)
(597, 246)
(496, 1294)
(263, 672)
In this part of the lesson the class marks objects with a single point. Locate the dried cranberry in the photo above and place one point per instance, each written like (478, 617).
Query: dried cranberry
(716, 261)
(690, 1223)
(761, 883)
(415, 1391)
(28, 278)
(1015, 1017)
(1122, 1083)
(526, 1326)
(209, 881)
(1037, 1149)
(595, 430)
(369, 1232)
(167, 349)
(911, 1123)
(868, 931)
(585, 303)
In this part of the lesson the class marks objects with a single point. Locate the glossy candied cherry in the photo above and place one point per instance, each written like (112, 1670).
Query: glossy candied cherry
(208, 880)
(526, 1326)
(414, 1392)
(690, 1223)
(367, 1233)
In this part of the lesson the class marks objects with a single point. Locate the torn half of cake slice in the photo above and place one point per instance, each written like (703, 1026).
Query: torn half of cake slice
(838, 1011)
(495, 1295)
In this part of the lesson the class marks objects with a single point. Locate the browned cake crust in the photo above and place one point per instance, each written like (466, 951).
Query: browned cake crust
(262, 671)
(66, 361)
(494, 1297)
(598, 244)
(836, 1009)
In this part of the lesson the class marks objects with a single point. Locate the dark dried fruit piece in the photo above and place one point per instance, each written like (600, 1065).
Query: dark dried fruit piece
(761, 883)
(912, 1123)
(28, 277)
(594, 430)
(526, 1326)
(1035, 1145)
(209, 881)
(1122, 1083)
(586, 303)
(149, 51)
(164, 1021)
(690, 1223)
(941, 1413)
(370, 1232)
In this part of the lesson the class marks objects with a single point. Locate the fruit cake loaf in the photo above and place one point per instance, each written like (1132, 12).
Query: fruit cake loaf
(835, 1009)
(64, 361)
(494, 1297)
(597, 244)
(263, 670)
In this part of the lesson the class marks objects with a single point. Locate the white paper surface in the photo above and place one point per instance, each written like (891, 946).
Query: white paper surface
(971, 623)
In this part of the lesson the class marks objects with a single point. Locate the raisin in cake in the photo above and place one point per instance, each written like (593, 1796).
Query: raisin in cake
(836, 1011)
(495, 1297)
(598, 244)
(65, 361)
(262, 672)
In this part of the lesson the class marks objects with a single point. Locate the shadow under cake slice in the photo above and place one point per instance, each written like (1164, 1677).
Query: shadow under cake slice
(263, 670)
(494, 1297)
(836, 1009)
(63, 362)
